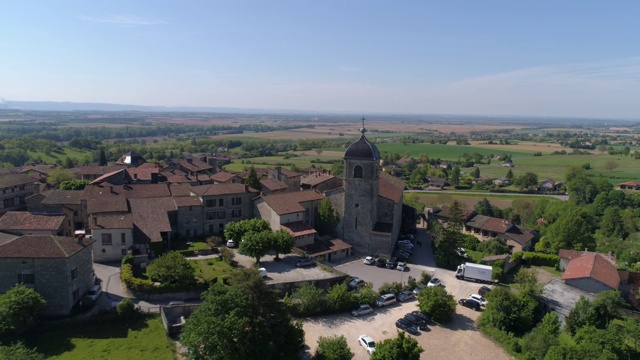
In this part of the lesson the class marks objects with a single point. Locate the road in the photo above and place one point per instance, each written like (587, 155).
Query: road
(559, 197)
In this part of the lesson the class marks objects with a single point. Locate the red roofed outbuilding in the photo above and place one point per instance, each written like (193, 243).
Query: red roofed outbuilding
(593, 273)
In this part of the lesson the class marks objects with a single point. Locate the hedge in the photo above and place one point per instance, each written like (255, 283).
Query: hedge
(539, 259)
(147, 286)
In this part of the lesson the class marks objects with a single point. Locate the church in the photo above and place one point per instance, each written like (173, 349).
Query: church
(369, 202)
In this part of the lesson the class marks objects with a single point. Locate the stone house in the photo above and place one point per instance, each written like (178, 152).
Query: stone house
(60, 202)
(113, 234)
(25, 223)
(483, 227)
(225, 177)
(320, 181)
(296, 212)
(59, 268)
(223, 203)
(14, 189)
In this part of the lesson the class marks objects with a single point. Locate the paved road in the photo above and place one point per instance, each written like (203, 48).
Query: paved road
(488, 194)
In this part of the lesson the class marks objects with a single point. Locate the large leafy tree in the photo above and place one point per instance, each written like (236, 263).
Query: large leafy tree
(526, 282)
(402, 347)
(333, 348)
(20, 309)
(256, 244)
(245, 320)
(236, 230)
(58, 176)
(436, 301)
(329, 217)
(571, 231)
(583, 314)
(171, 268)
(74, 184)
(483, 207)
(308, 299)
(282, 242)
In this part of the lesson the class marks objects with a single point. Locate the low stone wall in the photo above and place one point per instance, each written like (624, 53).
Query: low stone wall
(185, 296)
(286, 286)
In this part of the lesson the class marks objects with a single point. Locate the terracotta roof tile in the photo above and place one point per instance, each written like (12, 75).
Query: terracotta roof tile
(496, 225)
(182, 201)
(63, 197)
(24, 221)
(287, 203)
(298, 228)
(322, 247)
(574, 254)
(195, 165)
(111, 221)
(9, 180)
(593, 266)
(150, 218)
(221, 189)
(273, 184)
(40, 246)
(316, 179)
(391, 188)
(222, 176)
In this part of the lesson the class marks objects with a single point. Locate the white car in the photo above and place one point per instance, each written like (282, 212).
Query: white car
(401, 266)
(434, 282)
(231, 243)
(367, 343)
(263, 272)
(369, 260)
(94, 292)
(479, 299)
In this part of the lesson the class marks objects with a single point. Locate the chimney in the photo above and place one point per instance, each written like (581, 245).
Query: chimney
(135, 176)
(111, 190)
(154, 177)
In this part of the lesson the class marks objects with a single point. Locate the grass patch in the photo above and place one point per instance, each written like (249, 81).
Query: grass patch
(192, 246)
(209, 269)
(102, 337)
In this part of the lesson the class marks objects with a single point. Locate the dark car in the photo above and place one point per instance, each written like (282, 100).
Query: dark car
(404, 324)
(392, 263)
(305, 262)
(422, 316)
(470, 303)
(417, 321)
(484, 290)
(406, 296)
(380, 262)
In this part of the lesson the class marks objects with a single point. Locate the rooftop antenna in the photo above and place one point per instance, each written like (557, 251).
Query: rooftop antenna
(363, 130)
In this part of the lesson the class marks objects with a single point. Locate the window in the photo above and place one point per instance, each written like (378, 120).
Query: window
(210, 203)
(8, 203)
(123, 239)
(74, 273)
(221, 228)
(190, 208)
(236, 213)
(26, 277)
(356, 222)
(220, 202)
(21, 200)
(222, 215)
(106, 239)
(236, 201)
(211, 215)
(187, 232)
(123, 252)
(357, 172)
(210, 228)
(76, 295)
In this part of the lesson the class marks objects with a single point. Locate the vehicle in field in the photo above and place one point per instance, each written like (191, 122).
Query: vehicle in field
(380, 262)
(355, 283)
(231, 243)
(418, 288)
(94, 292)
(479, 299)
(401, 266)
(263, 272)
(385, 300)
(417, 321)
(392, 263)
(422, 316)
(484, 290)
(475, 272)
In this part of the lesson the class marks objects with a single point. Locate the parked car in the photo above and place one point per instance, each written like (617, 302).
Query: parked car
(417, 321)
(355, 283)
(402, 254)
(470, 303)
(406, 296)
(484, 290)
(362, 310)
(401, 266)
(231, 243)
(369, 260)
(418, 288)
(380, 262)
(263, 272)
(462, 252)
(404, 324)
(367, 343)
(385, 300)
(392, 263)
(422, 316)
(479, 299)
(94, 292)
(305, 262)
(434, 282)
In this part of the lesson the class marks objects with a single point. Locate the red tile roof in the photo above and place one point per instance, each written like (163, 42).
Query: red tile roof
(322, 247)
(574, 254)
(630, 183)
(24, 221)
(316, 178)
(287, 203)
(496, 225)
(222, 189)
(182, 201)
(391, 188)
(142, 172)
(43, 246)
(593, 266)
(62, 197)
(222, 176)
(10, 180)
(298, 228)
(195, 165)
(273, 184)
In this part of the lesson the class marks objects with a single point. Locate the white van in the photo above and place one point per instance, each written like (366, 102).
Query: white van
(386, 299)
(94, 292)
(263, 272)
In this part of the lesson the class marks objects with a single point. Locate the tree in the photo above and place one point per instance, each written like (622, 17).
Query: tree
(550, 324)
(74, 184)
(252, 179)
(602, 148)
(245, 320)
(102, 158)
(20, 309)
(333, 348)
(307, 299)
(536, 343)
(571, 231)
(126, 308)
(171, 268)
(476, 173)
(455, 176)
(340, 297)
(483, 207)
(256, 244)
(509, 175)
(607, 307)
(59, 175)
(403, 347)
(282, 242)
(456, 212)
(526, 282)
(527, 181)
(583, 314)
(236, 230)
(436, 301)
(68, 163)
(610, 165)
(329, 217)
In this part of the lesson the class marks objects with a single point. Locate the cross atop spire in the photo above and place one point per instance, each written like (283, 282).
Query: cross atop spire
(363, 130)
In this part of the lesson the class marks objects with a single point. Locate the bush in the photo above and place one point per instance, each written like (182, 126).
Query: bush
(214, 241)
(517, 256)
(147, 286)
(390, 288)
(539, 259)
(126, 308)
(498, 270)
(227, 255)
(437, 302)
(425, 277)
(470, 242)
(507, 340)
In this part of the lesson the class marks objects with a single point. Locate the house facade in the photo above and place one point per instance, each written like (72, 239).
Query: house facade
(14, 189)
(113, 234)
(223, 203)
(59, 268)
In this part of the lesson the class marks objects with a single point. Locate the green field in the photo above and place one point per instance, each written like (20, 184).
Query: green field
(104, 337)
(78, 156)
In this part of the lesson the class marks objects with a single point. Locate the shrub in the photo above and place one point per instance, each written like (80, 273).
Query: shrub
(539, 259)
(425, 277)
(214, 241)
(437, 302)
(517, 256)
(126, 308)
(227, 255)
(340, 298)
(507, 340)
(498, 270)
(390, 288)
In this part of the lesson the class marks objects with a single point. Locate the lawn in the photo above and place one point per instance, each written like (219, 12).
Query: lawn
(102, 337)
(209, 269)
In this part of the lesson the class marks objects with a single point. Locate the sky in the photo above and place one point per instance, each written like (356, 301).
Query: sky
(504, 58)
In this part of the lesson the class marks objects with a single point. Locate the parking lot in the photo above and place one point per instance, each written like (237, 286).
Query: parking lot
(460, 339)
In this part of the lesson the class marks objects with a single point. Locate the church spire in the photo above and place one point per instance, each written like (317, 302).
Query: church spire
(363, 130)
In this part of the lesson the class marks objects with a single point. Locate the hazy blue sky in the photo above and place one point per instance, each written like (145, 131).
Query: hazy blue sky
(552, 58)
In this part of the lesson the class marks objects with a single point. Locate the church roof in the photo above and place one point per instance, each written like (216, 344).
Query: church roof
(362, 149)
